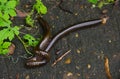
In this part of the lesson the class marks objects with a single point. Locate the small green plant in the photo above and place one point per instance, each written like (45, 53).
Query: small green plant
(7, 31)
(30, 40)
(29, 21)
(4, 47)
(101, 3)
(40, 8)
(7, 10)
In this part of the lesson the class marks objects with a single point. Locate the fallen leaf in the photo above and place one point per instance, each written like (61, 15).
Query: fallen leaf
(107, 69)
(68, 61)
(11, 49)
(21, 14)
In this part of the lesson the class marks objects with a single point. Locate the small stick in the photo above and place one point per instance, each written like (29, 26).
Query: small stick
(58, 52)
(61, 57)
(107, 70)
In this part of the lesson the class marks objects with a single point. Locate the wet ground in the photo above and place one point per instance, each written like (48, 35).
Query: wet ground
(88, 46)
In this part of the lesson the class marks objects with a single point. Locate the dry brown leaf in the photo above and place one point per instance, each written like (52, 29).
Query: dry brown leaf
(107, 69)
(68, 61)
(21, 14)
(11, 49)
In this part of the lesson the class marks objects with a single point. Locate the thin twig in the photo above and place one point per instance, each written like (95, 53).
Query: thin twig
(24, 45)
(61, 57)
(107, 70)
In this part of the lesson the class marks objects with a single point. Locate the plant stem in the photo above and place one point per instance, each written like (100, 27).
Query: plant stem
(27, 51)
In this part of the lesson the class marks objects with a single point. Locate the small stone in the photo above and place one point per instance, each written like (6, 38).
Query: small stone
(78, 51)
(68, 61)
(77, 67)
(27, 77)
(57, 17)
(109, 41)
(69, 74)
(105, 11)
(76, 35)
(76, 14)
(89, 66)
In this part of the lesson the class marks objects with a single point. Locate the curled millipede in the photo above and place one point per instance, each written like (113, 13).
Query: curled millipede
(41, 53)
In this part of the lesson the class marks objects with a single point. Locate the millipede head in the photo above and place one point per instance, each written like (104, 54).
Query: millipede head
(41, 58)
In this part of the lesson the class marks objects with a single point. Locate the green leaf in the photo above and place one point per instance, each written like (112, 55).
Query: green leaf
(6, 16)
(3, 23)
(100, 4)
(6, 44)
(3, 1)
(93, 1)
(4, 47)
(4, 20)
(16, 30)
(12, 32)
(9, 33)
(40, 7)
(11, 4)
(31, 41)
(110, 1)
(3, 34)
(29, 21)
(0, 14)
(12, 12)
(4, 52)
(43, 9)
(8, 7)
(1, 42)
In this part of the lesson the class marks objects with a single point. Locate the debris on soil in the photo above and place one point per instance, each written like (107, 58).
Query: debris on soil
(60, 58)
(105, 11)
(78, 51)
(76, 35)
(107, 69)
(109, 41)
(68, 61)
(104, 20)
(58, 52)
(27, 77)
(11, 49)
(77, 67)
(76, 14)
(17, 76)
(88, 66)
(21, 14)
(69, 74)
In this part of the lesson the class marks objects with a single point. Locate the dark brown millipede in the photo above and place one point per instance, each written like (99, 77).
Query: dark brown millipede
(41, 52)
